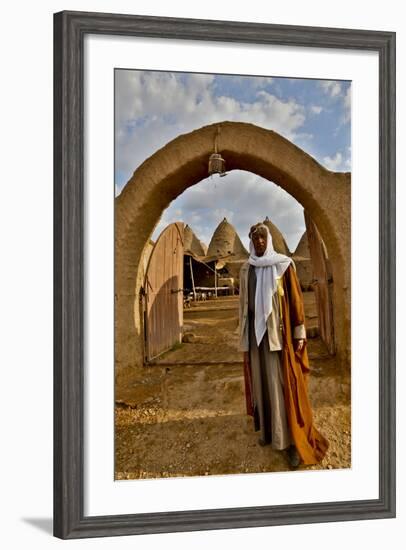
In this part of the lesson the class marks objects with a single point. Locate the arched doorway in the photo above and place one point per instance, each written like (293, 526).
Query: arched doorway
(325, 195)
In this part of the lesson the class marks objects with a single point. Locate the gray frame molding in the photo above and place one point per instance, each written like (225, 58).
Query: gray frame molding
(69, 31)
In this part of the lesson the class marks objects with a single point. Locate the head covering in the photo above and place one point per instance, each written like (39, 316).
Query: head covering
(268, 268)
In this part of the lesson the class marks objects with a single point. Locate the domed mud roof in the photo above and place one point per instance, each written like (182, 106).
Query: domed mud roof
(302, 249)
(225, 243)
(278, 240)
(192, 245)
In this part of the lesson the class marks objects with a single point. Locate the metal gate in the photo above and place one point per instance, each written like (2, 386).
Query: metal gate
(322, 283)
(163, 293)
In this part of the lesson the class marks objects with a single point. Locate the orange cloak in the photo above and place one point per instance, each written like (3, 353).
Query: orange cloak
(310, 443)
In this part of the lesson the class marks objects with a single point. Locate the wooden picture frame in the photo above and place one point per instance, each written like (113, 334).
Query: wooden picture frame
(69, 31)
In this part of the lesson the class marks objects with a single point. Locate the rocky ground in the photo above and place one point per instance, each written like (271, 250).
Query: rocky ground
(185, 415)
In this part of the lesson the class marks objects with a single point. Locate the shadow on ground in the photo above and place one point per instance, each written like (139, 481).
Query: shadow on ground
(185, 415)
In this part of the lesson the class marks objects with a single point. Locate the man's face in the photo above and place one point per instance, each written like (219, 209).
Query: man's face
(259, 242)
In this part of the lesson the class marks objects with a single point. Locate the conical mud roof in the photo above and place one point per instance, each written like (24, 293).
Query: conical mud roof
(302, 248)
(225, 243)
(192, 245)
(278, 241)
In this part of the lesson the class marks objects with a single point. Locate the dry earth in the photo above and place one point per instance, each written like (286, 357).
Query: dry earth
(185, 415)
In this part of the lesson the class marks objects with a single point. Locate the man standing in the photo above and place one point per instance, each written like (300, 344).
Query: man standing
(273, 339)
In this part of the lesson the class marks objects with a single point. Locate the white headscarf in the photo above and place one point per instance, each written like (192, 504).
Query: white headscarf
(268, 268)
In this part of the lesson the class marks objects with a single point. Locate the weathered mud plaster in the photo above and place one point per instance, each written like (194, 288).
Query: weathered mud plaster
(182, 163)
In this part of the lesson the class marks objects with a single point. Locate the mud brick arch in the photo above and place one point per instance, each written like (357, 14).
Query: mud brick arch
(182, 163)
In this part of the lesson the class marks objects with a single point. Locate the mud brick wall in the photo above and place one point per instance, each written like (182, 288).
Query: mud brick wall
(182, 163)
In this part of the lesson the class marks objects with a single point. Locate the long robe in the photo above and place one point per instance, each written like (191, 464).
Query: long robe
(310, 443)
(270, 417)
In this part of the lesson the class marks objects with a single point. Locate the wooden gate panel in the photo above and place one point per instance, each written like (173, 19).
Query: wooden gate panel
(164, 293)
(322, 283)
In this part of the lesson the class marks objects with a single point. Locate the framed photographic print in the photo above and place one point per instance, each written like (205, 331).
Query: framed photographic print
(224, 268)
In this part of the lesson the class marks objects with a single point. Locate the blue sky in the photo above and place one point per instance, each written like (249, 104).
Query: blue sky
(152, 108)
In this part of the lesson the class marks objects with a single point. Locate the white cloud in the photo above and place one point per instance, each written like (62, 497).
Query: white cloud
(244, 199)
(333, 163)
(331, 87)
(253, 83)
(347, 159)
(339, 162)
(221, 214)
(260, 82)
(336, 91)
(316, 109)
(154, 108)
(347, 106)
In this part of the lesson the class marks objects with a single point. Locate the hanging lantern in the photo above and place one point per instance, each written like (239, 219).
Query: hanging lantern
(217, 165)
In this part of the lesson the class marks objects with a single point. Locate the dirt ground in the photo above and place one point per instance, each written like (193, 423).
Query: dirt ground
(185, 414)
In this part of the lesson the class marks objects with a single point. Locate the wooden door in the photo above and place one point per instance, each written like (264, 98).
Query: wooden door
(163, 293)
(323, 283)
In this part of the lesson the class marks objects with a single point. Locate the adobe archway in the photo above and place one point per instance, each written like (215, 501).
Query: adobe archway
(182, 163)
